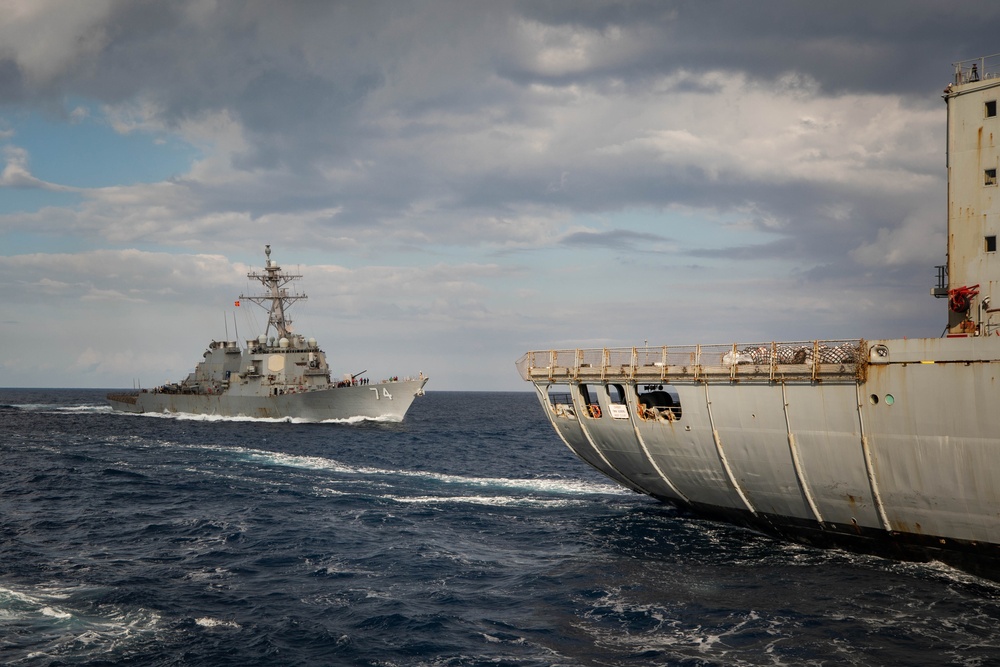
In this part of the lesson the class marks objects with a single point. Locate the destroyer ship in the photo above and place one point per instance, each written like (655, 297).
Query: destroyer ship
(887, 446)
(278, 375)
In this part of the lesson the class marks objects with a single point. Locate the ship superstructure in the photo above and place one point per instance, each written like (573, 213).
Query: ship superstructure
(973, 157)
(887, 446)
(279, 374)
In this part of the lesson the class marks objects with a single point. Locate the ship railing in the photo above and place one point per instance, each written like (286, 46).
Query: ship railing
(812, 361)
(977, 69)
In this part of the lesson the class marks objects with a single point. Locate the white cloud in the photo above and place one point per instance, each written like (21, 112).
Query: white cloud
(129, 273)
(16, 174)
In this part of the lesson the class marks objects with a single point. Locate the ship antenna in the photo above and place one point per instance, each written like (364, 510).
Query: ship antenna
(274, 281)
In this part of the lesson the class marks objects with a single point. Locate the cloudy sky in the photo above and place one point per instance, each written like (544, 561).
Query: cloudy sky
(460, 181)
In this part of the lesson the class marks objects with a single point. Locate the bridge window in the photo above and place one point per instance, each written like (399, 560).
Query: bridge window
(991, 244)
(991, 108)
(991, 177)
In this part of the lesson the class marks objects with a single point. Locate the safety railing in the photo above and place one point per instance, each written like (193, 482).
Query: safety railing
(977, 69)
(804, 360)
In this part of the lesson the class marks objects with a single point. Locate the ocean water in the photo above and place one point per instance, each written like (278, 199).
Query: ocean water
(466, 535)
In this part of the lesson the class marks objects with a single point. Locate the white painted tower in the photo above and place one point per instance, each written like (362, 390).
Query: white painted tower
(973, 159)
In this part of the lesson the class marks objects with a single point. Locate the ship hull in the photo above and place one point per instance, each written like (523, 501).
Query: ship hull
(898, 454)
(385, 401)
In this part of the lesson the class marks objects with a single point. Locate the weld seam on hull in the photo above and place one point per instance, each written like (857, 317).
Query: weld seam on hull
(551, 417)
(797, 463)
(579, 407)
(722, 456)
(633, 411)
(869, 466)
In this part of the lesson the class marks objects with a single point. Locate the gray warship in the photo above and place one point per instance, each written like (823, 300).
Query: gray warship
(279, 375)
(882, 446)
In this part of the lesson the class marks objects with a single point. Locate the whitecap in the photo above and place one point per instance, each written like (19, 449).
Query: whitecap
(543, 485)
(57, 407)
(207, 622)
(84, 408)
(55, 613)
(496, 501)
(190, 416)
(59, 628)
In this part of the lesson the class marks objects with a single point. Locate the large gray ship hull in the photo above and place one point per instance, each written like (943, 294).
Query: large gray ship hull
(891, 446)
(897, 453)
(385, 400)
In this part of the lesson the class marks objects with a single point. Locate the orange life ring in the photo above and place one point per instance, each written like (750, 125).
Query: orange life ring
(595, 411)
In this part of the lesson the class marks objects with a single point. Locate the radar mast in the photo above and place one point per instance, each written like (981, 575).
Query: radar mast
(274, 282)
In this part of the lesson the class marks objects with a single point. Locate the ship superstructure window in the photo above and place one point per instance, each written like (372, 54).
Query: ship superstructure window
(991, 177)
(991, 244)
(593, 408)
(659, 402)
(991, 108)
(560, 400)
(617, 406)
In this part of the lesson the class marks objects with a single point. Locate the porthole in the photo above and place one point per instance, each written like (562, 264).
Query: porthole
(889, 400)
(873, 399)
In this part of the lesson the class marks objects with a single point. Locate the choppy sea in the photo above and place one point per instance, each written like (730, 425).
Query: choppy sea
(465, 535)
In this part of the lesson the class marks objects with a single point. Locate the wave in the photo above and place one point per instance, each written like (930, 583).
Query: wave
(58, 630)
(548, 486)
(84, 408)
(190, 416)
(103, 408)
(494, 501)
(552, 486)
(207, 622)
(56, 407)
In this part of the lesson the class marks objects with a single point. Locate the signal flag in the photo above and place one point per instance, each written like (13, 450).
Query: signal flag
(237, 304)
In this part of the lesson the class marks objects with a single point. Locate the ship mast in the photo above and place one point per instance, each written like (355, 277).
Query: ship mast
(274, 281)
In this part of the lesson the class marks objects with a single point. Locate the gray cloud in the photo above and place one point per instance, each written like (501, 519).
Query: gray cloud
(466, 131)
(617, 239)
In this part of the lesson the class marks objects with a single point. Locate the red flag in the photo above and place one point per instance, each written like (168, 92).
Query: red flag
(237, 304)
